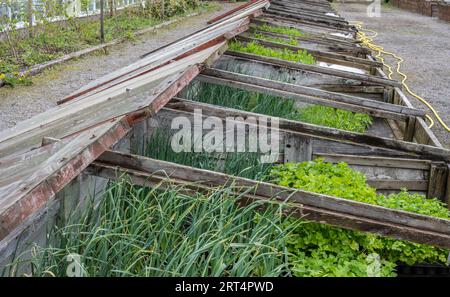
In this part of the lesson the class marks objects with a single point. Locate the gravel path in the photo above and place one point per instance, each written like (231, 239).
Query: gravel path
(424, 44)
(23, 102)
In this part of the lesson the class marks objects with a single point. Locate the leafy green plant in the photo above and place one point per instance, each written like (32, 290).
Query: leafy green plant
(290, 41)
(280, 29)
(336, 118)
(335, 248)
(52, 40)
(300, 56)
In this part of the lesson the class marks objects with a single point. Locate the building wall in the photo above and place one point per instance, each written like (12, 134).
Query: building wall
(432, 8)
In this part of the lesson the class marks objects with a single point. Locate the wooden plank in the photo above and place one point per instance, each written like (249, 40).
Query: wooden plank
(143, 97)
(313, 68)
(318, 44)
(302, 98)
(328, 57)
(326, 209)
(415, 150)
(315, 16)
(319, 26)
(35, 191)
(422, 134)
(199, 40)
(308, 31)
(302, 6)
(410, 129)
(377, 161)
(438, 180)
(228, 13)
(311, 95)
(446, 199)
(397, 185)
(297, 149)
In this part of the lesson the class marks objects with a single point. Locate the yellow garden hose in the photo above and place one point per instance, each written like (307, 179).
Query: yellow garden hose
(368, 41)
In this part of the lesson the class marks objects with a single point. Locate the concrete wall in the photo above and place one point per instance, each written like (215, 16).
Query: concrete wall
(432, 8)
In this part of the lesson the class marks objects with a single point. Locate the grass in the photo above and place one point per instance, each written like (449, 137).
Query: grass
(138, 231)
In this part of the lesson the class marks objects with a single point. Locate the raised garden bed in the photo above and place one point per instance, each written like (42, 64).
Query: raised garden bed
(332, 201)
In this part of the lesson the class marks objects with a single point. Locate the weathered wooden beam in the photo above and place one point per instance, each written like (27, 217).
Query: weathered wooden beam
(313, 68)
(307, 94)
(316, 26)
(328, 57)
(302, 6)
(32, 193)
(418, 151)
(297, 148)
(308, 30)
(397, 184)
(306, 205)
(307, 42)
(305, 2)
(311, 16)
(228, 13)
(317, 15)
(438, 179)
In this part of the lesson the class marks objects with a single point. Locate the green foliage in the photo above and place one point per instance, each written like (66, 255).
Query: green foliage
(325, 178)
(321, 250)
(52, 40)
(300, 56)
(290, 41)
(336, 118)
(15, 79)
(137, 231)
(280, 29)
(344, 252)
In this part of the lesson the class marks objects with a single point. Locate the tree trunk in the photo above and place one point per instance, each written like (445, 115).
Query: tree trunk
(112, 8)
(102, 21)
(30, 17)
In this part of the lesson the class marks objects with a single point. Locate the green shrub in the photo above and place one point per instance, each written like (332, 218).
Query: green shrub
(345, 252)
